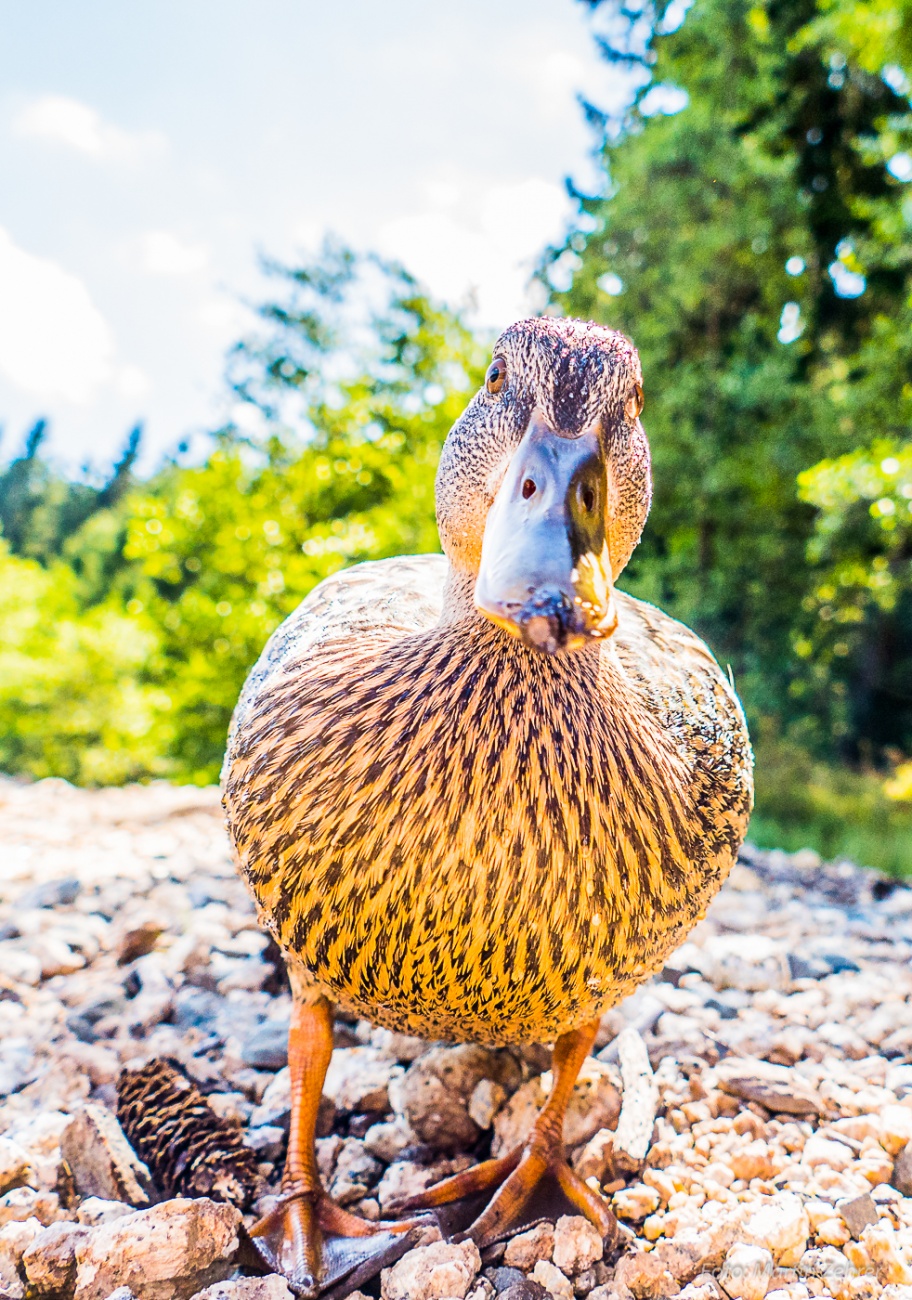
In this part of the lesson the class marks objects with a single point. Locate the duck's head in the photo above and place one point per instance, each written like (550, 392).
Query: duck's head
(544, 484)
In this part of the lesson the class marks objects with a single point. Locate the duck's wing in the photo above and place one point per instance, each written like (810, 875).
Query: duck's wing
(380, 598)
(693, 699)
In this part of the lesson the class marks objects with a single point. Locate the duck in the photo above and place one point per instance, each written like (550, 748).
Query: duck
(481, 796)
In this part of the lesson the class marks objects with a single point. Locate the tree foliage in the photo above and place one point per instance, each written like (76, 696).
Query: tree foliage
(352, 382)
(753, 237)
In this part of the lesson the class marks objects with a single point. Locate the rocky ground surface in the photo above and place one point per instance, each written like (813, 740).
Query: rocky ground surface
(752, 1123)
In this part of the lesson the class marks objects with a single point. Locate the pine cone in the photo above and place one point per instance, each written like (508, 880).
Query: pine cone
(190, 1151)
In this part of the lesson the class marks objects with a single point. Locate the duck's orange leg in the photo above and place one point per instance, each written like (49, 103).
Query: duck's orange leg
(517, 1174)
(292, 1232)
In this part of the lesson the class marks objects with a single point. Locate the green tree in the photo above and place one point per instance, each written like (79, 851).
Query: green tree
(75, 700)
(40, 508)
(353, 383)
(753, 237)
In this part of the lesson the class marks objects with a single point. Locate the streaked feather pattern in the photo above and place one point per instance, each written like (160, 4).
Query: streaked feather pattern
(456, 837)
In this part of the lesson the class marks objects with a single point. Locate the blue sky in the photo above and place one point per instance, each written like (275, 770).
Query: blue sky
(150, 150)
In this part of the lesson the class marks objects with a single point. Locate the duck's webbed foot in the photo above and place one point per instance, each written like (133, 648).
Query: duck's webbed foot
(307, 1237)
(518, 1174)
(312, 1241)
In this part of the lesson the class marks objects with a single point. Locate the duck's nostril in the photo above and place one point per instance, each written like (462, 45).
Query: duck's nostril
(587, 499)
(528, 489)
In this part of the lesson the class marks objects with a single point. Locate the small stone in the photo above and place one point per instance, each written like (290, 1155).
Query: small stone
(504, 1277)
(15, 1239)
(441, 1270)
(525, 1290)
(50, 1261)
(483, 1290)
(596, 1158)
(19, 966)
(138, 942)
(902, 1171)
(25, 1203)
(527, 1248)
(577, 1244)
(267, 1047)
(826, 1262)
(58, 958)
(272, 1287)
(15, 1167)
(640, 1099)
(401, 1047)
(355, 1172)
(268, 1141)
(486, 1100)
(94, 1211)
(584, 1282)
(326, 1150)
(275, 1104)
(857, 1213)
(820, 1150)
(635, 1202)
(359, 1078)
(777, 1087)
(645, 1276)
(746, 1272)
(895, 1128)
(388, 1139)
(832, 1232)
(781, 1225)
(101, 1159)
(167, 1252)
(881, 1244)
(405, 1178)
(435, 1092)
(555, 1282)
(231, 1106)
(752, 1161)
(53, 893)
(753, 962)
(703, 1287)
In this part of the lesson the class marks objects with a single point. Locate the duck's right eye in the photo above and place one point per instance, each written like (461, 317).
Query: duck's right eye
(496, 375)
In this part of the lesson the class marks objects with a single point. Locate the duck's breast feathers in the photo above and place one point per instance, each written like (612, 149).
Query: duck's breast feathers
(383, 599)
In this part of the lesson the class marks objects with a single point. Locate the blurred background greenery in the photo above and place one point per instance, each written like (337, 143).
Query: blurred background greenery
(754, 236)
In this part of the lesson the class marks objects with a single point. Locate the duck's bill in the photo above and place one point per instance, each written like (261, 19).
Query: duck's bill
(545, 573)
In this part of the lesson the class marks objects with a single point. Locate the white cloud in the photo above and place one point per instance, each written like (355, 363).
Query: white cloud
(78, 126)
(224, 316)
(131, 382)
(54, 342)
(479, 241)
(159, 252)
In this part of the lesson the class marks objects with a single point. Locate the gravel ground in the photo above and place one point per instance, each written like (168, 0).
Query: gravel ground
(773, 1057)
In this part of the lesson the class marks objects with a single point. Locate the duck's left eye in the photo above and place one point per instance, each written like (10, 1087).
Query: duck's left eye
(496, 375)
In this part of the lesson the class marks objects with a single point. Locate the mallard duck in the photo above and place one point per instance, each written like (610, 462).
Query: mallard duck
(482, 796)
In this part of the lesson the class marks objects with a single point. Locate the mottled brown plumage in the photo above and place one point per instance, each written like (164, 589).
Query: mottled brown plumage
(448, 831)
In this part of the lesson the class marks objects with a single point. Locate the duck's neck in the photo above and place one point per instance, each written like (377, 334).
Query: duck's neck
(459, 598)
(594, 663)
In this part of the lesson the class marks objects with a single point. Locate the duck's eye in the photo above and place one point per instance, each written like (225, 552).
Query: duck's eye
(496, 375)
(634, 404)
